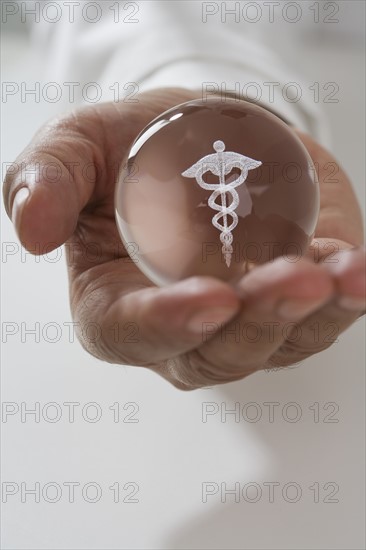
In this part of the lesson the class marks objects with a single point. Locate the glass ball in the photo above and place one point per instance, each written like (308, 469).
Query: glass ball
(215, 187)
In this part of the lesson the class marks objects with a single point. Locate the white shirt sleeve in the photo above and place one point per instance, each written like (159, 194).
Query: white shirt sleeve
(153, 44)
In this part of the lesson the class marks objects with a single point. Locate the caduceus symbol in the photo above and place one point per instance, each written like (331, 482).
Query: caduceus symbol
(220, 164)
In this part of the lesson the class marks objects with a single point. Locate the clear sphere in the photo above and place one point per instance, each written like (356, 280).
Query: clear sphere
(215, 187)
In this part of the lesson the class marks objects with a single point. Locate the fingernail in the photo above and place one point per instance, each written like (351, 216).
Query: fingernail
(214, 315)
(352, 303)
(290, 310)
(18, 204)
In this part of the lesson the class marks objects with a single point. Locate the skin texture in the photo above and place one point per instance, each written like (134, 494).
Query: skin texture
(170, 335)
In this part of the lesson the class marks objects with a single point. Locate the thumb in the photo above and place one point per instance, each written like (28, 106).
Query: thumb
(48, 185)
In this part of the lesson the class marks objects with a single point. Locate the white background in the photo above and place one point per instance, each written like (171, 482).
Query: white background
(170, 452)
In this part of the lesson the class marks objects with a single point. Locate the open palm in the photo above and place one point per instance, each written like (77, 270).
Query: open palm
(200, 331)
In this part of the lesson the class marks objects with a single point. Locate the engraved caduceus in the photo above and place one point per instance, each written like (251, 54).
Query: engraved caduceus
(220, 164)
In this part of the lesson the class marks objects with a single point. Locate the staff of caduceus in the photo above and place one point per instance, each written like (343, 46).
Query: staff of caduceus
(220, 164)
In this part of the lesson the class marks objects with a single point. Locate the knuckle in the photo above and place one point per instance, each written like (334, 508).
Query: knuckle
(291, 353)
(198, 371)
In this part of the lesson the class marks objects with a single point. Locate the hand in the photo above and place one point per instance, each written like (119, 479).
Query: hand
(69, 199)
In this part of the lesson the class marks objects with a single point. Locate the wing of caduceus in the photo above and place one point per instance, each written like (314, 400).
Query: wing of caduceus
(220, 164)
